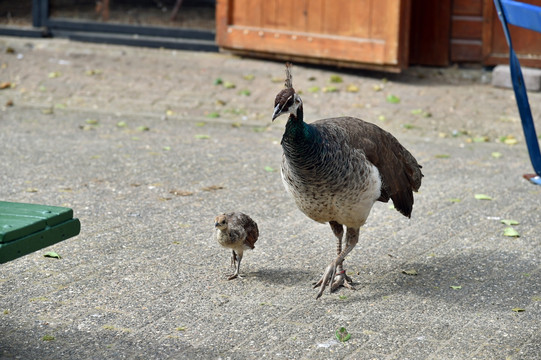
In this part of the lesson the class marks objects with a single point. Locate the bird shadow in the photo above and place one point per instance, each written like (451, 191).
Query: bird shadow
(285, 277)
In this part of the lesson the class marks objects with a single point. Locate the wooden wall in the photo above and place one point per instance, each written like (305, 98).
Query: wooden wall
(467, 31)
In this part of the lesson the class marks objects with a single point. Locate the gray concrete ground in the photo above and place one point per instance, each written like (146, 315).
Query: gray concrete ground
(147, 150)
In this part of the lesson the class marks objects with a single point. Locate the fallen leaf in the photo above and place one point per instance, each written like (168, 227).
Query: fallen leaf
(508, 140)
(181, 192)
(214, 115)
(249, 77)
(52, 254)
(229, 85)
(93, 72)
(511, 141)
(518, 309)
(91, 121)
(455, 287)
(496, 155)
(382, 118)
(509, 231)
(313, 89)
(336, 79)
(482, 197)
(393, 99)
(166, 148)
(454, 200)
(54, 74)
(509, 222)
(412, 272)
(479, 139)
(142, 128)
(277, 79)
(377, 88)
(9, 103)
(212, 188)
(442, 156)
(31, 190)
(169, 112)
(342, 297)
(200, 124)
(245, 92)
(330, 89)
(47, 111)
(342, 335)
(218, 81)
(269, 169)
(5, 85)
(202, 136)
(47, 338)
(352, 88)
(417, 111)
(408, 126)
(121, 124)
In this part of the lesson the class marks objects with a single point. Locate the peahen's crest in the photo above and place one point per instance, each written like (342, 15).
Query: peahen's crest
(289, 77)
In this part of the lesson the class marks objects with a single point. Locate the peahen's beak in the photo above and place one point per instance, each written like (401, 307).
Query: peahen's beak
(277, 112)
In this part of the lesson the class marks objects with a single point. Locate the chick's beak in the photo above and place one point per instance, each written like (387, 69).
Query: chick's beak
(276, 112)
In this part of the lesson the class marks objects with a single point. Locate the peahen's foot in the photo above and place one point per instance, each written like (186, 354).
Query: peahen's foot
(338, 274)
(234, 276)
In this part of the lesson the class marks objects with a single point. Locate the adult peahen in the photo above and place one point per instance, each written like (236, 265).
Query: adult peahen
(336, 169)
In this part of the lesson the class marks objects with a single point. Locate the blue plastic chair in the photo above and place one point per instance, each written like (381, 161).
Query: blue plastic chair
(527, 16)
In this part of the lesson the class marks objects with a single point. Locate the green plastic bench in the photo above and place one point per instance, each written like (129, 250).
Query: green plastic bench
(25, 228)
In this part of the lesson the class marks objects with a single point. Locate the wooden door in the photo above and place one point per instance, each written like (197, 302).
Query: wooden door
(527, 43)
(356, 33)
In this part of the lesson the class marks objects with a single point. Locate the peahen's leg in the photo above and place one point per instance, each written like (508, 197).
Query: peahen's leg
(335, 268)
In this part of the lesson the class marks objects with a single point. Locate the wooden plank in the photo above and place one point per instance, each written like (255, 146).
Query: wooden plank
(337, 17)
(360, 19)
(466, 51)
(284, 12)
(239, 14)
(467, 28)
(222, 21)
(299, 21)
(430, 32)
(19, 219)
(314, 17)
(468, 7)
(313, 45)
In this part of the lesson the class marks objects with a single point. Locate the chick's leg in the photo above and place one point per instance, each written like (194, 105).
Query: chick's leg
(237, 259)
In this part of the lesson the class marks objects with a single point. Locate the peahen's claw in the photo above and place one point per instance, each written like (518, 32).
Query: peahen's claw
(338, 276)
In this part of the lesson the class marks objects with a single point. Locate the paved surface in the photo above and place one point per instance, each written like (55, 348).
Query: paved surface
(130, 140)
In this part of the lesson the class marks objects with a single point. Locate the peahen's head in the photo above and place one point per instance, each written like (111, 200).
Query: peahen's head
(287, 101)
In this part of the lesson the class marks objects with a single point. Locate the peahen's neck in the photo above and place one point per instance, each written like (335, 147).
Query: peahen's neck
(298, 134)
